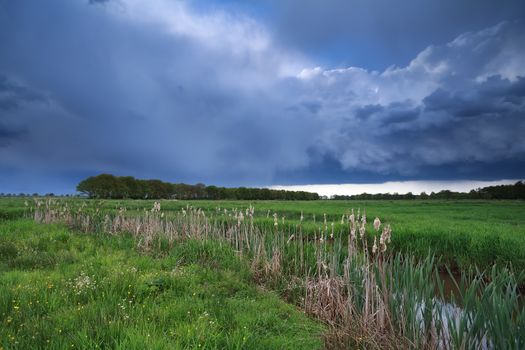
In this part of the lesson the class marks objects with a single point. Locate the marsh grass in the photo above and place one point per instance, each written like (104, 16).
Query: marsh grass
(463, 233)
(343, 275)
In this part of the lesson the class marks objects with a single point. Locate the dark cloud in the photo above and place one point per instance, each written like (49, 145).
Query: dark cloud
(494, 97)
(165, 90)
(97, 1)
(130, 95)
(336, 31)
(368, 110)
(7, 135)
(460, 103)
(477, 126)
(12, 95)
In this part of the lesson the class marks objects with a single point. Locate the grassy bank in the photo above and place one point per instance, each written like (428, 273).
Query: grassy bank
(64, 290)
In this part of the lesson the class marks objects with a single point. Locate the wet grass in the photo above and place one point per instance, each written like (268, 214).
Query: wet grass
(61, 290)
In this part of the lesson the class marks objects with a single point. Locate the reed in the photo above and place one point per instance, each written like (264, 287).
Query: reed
(345, 276)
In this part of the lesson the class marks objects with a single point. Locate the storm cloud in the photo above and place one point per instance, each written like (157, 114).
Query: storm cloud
(168, 90)
(462, 102)
(377, 33)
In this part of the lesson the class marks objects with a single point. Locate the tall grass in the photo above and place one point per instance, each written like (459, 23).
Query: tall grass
(345, 274)
(463, 233)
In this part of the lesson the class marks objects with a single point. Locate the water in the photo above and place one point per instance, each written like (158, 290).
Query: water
(449, 309)
(450, 287)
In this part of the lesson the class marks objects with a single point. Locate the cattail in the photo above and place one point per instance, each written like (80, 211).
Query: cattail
(374, 247)
(382, 244)
(387, 231)
(362, 230)
(156, 207)
(377, 224)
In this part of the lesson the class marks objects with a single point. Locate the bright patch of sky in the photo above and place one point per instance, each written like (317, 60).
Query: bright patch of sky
(400, 187)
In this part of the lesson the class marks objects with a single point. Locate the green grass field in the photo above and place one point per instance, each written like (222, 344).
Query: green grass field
(463, 233)
(60, 290)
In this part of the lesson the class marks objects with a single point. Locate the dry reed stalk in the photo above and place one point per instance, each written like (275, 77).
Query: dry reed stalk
(328, 296)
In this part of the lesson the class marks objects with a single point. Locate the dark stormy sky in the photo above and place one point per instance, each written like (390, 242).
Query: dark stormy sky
(260, 93)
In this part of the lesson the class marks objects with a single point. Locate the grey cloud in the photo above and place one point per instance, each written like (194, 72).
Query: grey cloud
(129, 95)
(7, 135)
(12, 95)
(393, 113)
(97, 1)
(495, 96)
(392, 33)
(157, 90)
(436, 111)
(368, 110)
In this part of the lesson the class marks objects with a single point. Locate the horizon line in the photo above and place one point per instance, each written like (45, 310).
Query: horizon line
(400, 187)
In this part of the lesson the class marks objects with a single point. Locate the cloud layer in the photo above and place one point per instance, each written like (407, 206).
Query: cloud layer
(463, 102)
(169, 91)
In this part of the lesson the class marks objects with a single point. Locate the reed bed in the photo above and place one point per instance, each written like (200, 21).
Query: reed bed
(345, 275)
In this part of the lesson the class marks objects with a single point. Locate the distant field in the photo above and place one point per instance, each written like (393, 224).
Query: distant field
(464, 233)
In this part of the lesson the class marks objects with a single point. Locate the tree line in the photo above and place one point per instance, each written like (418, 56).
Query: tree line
(515, 191)
(108, 186)
(121, 187)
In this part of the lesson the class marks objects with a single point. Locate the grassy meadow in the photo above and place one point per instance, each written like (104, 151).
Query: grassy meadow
(463, 233)
(208, 274)
(61, 290)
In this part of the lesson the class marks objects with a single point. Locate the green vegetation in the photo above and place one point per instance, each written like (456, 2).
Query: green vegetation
(70, 291)
(117, 187)
(107, 186)
(340, 268)
(464, 233)
(515, 191)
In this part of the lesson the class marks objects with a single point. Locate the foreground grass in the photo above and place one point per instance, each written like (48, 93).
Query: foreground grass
(63, 290)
